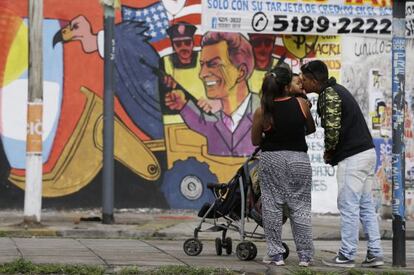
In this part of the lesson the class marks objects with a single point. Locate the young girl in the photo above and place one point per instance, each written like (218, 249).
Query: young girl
(296, 88)
(279, 127)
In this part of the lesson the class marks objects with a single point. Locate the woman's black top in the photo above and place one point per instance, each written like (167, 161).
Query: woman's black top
(288, 128)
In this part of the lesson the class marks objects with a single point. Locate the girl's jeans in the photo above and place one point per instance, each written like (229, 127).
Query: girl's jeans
(355, 176)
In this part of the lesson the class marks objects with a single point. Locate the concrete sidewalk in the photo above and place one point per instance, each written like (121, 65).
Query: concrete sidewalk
(153, 223)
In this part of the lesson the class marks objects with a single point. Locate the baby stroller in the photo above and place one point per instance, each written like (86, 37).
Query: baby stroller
(235, 200)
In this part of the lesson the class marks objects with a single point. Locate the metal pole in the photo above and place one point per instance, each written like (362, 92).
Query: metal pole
(108, 130)
(398, 148)
(34, 160)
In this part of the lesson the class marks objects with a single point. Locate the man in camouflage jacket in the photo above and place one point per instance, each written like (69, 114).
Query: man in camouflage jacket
(349, 145)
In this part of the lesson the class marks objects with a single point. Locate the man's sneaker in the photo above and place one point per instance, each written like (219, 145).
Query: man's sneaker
(339, 261)
(276, 259)
(372, 261)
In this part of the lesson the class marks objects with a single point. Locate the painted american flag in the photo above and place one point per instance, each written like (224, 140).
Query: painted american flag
(157, 18)
(154, 16)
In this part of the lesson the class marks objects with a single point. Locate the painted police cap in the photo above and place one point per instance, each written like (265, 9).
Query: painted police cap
(181, 31)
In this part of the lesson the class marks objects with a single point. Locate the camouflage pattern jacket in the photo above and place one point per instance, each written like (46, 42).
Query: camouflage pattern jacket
(346, 131)
(329, 110)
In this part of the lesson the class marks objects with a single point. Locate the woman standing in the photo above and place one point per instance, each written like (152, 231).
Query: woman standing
(279, 127)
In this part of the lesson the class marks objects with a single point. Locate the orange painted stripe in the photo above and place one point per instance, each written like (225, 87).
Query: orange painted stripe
(193, 18)
(139, 3)
(197, 39)
(192, 2)
(162, 44)
(9, 25)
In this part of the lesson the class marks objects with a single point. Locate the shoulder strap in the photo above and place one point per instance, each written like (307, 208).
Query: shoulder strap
(301, 107)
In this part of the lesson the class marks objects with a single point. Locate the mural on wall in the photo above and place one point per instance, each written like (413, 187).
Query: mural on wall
(72, 134)
(183, 102)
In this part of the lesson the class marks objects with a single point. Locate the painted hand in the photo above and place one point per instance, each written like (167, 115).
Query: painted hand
(175, 100)
(210, 105)
(170, 82)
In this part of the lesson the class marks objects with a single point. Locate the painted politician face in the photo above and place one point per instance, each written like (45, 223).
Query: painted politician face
(219, 75)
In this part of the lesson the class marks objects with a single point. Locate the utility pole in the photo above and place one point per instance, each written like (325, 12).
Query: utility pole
(108, 129)
(398, 147)
(34, 160)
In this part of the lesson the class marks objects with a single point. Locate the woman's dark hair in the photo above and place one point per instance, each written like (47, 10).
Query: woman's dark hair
(273, 86)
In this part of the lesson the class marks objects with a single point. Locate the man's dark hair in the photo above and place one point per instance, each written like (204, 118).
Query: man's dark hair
(316, 69)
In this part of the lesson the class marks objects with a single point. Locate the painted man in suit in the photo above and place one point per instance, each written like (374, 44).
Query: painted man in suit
(226, 62)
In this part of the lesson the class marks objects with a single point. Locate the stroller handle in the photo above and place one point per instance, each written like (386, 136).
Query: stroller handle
(256, 151)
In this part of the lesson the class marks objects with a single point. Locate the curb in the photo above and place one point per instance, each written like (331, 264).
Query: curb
(28, 233)
(156, 233)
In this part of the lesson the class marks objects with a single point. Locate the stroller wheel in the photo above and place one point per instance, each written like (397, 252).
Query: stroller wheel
(246, 251)
(228, 245)
(253, 252)
(219, 247)
(286, 254)
(192, 247)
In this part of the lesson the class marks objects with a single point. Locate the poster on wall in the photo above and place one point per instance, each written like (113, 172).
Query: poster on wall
(331, 17)
(324, 187)
(366, 73)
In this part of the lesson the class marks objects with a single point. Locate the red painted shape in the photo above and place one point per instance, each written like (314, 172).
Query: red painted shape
(80, 69)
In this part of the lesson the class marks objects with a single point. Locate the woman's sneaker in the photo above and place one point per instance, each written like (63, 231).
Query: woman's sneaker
(304, 261)
(276, 259)
(339, 261)
(372, 261)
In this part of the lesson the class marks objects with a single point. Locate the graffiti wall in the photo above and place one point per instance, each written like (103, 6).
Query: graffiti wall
(184, 100)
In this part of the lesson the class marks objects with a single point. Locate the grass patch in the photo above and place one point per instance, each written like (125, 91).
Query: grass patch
(308, 271)
(364, 272)
(22, 266)
(130, 270)
(177, 270)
